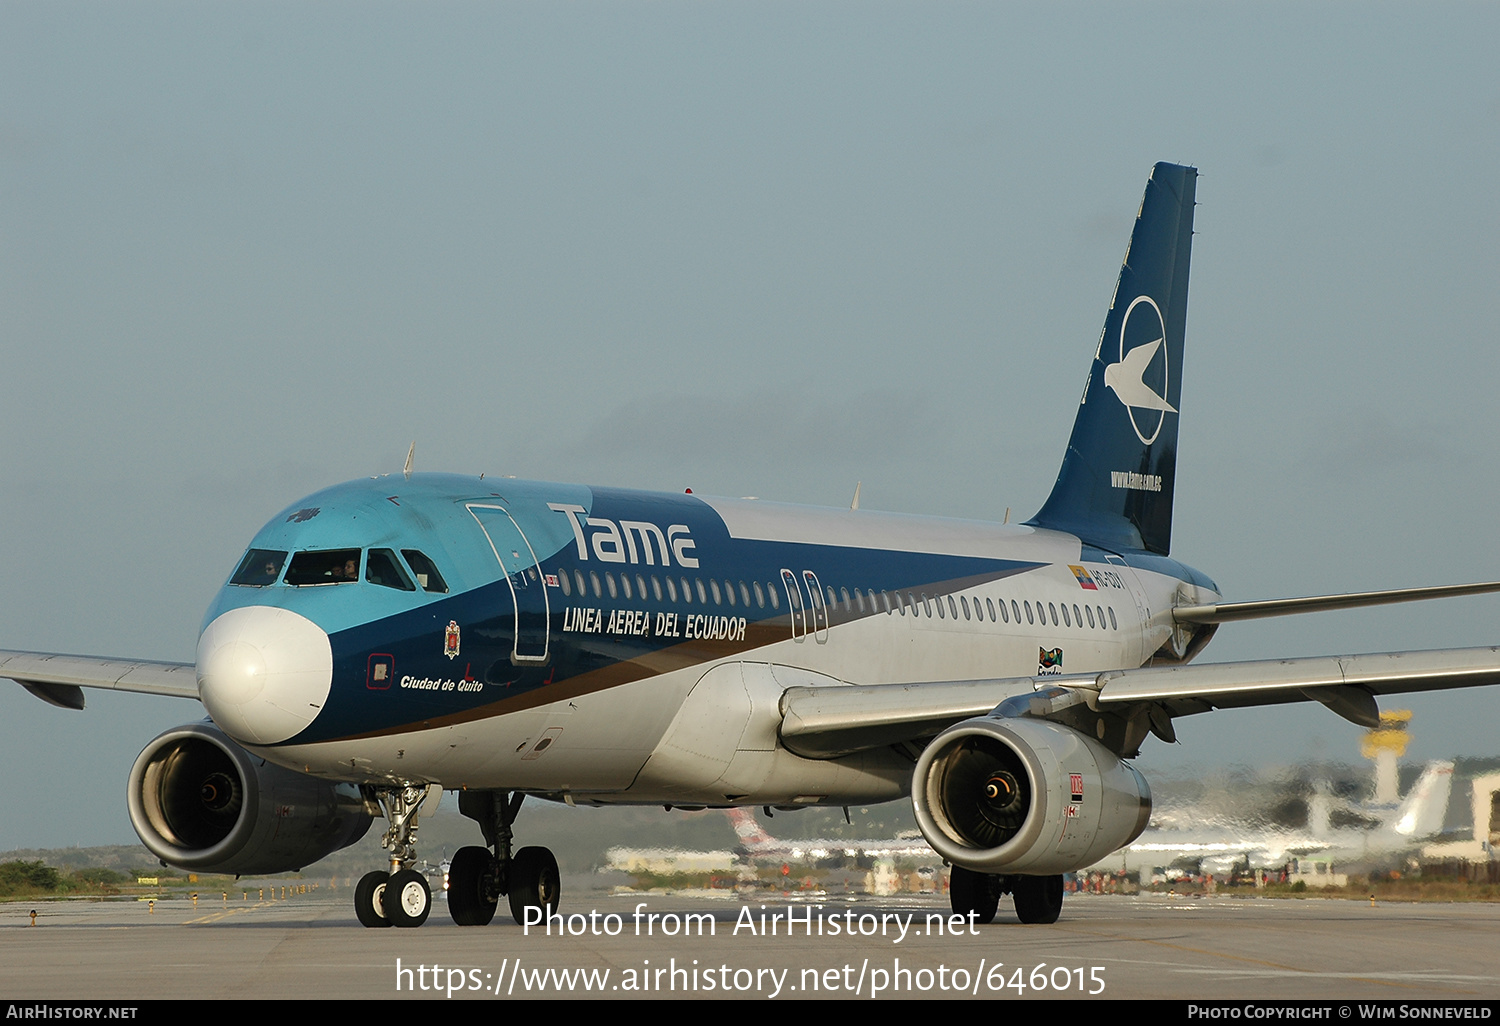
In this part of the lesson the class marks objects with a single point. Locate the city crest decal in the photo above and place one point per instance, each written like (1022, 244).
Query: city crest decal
(1049, 661)
(450, 640)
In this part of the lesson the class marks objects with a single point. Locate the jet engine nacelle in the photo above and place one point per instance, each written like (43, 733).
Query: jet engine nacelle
(201, 802)
(1025, 796)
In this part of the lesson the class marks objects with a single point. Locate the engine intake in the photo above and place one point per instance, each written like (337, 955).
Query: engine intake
(1019, 795)
(199, 801)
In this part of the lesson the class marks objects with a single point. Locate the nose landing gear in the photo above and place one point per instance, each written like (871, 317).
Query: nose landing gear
(399, 896)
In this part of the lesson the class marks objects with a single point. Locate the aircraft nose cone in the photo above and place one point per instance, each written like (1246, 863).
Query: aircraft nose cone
(263, 673)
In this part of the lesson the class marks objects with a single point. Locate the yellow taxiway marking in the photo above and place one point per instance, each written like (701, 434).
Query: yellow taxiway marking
(215, 917)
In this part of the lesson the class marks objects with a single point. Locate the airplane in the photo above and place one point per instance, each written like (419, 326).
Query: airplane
(757, 845)
(1220, 846)
(386, 639)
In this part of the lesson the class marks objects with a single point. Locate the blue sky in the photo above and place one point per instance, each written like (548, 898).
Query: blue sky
(248, 250)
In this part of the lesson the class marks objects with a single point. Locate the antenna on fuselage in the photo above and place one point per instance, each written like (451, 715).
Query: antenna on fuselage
(410, 453)
(855, 503)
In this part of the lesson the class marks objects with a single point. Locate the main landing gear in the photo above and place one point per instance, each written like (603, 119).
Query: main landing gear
(1038, 899)
(478, 876)
(400, 896)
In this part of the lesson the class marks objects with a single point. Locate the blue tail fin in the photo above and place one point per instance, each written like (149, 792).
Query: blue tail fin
(1115, 487)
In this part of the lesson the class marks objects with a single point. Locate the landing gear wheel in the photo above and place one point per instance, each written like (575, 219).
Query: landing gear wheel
(369, 899)
(408, 899)
(978, 893)
(1039, 898)
(534, 883)
(473, 886)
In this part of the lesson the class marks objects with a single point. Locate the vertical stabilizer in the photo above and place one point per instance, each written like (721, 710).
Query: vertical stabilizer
(1115, 486)
(1422, 814)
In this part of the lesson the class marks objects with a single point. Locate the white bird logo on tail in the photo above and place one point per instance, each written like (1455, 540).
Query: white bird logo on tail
(1127, 377)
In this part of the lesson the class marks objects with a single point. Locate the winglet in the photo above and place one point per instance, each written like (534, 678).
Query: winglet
(410, 454)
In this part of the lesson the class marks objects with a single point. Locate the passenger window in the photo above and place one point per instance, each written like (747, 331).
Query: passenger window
(745, 595)
(714, 587)
(609, 581)
(640, 587)
(337, 566)
(428, 578)
(1090, 610)
(702, 595)
(989, 604)
(259, 568)
(656, 586)
(687, 591)
(1054, 613)
(760, 595)
(772, 595)
(1028, 612)
(1113, 623)
(594, 582)
(859, 599)
(565, 582)
(671, 590)
(625, 585)
(1067, 620)
(381, 568)
(1077, 616)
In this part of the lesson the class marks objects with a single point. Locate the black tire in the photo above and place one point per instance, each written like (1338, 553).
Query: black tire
(534, 882)
(473, 886)
(978, 893)
(369, 899)
(1039, 899)
(408, 899)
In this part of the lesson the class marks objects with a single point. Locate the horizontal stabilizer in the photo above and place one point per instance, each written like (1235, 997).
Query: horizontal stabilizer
(1227, 612)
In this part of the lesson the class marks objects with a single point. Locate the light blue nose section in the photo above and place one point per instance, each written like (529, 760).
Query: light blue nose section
(263, 673)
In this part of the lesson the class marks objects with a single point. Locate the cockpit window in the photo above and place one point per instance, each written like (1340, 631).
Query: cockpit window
(259, 568)
(383, 569)
(427, 574)
(336, 566)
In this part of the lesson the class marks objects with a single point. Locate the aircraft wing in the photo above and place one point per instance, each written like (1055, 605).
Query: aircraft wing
(825, 722)
(60, 679)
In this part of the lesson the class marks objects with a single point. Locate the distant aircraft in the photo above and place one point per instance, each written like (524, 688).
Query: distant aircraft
(759, 846)
(587, 645)
(1219, 846)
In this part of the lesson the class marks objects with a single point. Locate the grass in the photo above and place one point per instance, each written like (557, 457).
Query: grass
(21, 879)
